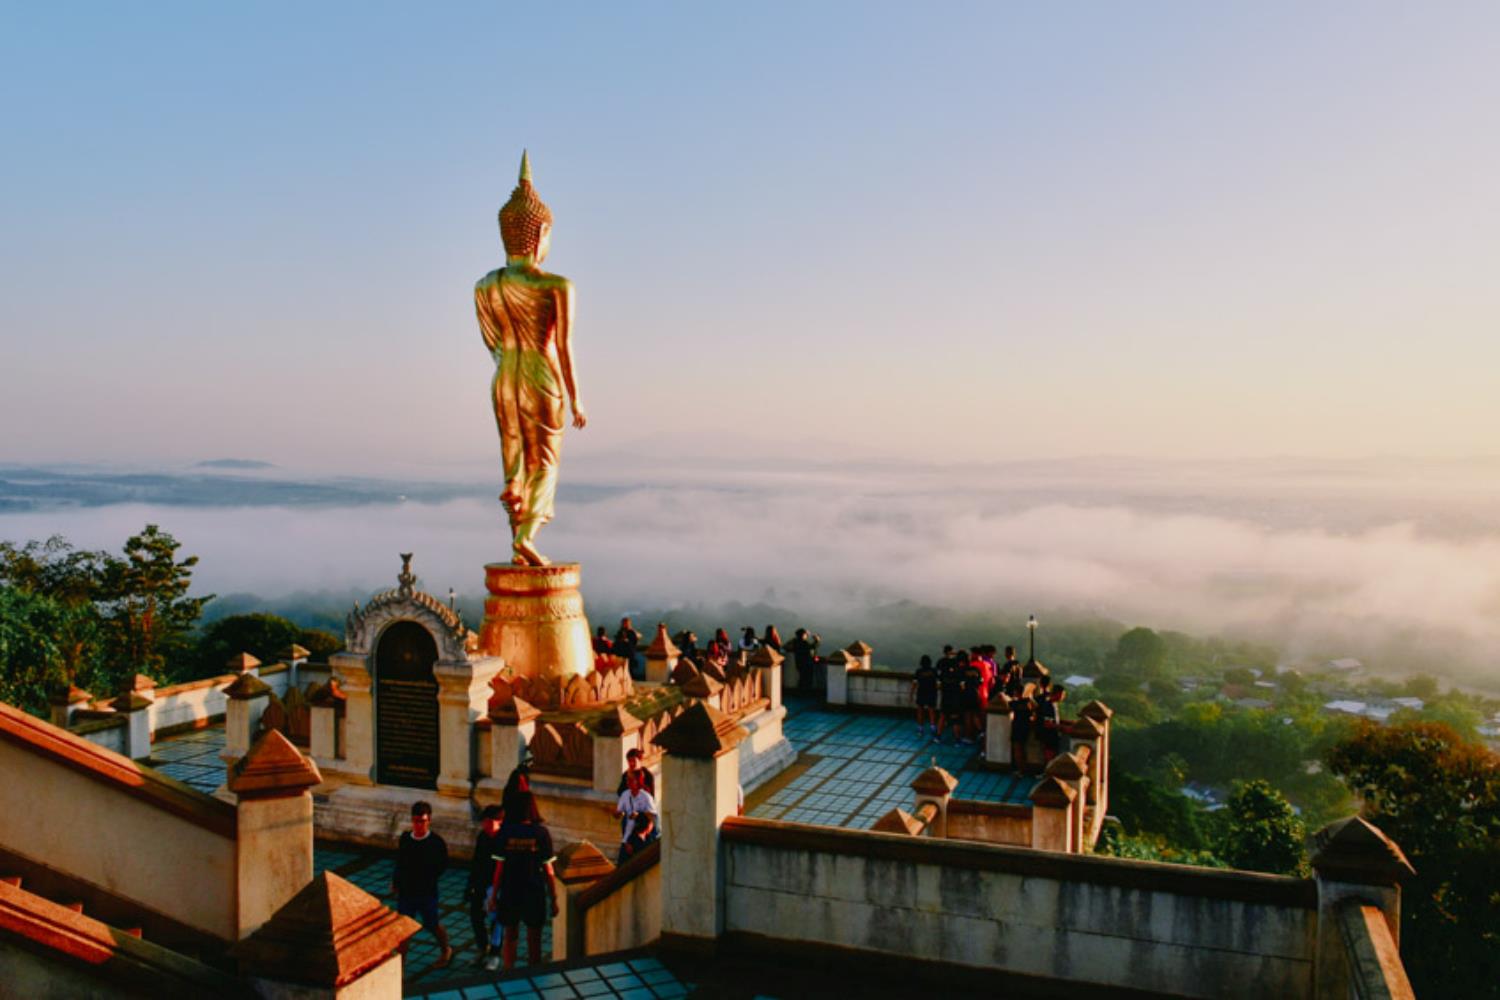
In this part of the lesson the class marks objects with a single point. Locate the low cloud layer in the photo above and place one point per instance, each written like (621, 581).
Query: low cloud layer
(832, 544)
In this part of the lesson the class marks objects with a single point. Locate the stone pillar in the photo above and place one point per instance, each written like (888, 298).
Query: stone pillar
(134, 702)
(661, 656)
(997, 730)
(295, 656)
(936, 786)
(1084, 735)
(578, 866)
(614, 735)
(463, 697)
(242, 663)
(328, 707)
(331, 941)
(839, 665)
(353, 673)
(700, 789)
(704, 688)
(512, 725)
(1100, 713)
(1353, 860)
(1052, 803)
(768, 662)
(1070, 770)
(274, 821)
(861, 651)
(247, 697)
(64, 701)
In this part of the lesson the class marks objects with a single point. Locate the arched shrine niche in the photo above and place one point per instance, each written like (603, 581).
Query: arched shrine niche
(406, 706)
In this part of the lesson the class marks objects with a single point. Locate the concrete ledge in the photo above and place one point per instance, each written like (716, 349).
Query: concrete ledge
(601, 889)
(1184, 880)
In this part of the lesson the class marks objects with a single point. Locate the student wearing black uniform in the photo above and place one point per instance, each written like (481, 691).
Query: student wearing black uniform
(421, 856)
(924, 694)
(1049, 722)
(1020, 729)
(482, 876)
(951, 692)
(523, 890)
(970, 678)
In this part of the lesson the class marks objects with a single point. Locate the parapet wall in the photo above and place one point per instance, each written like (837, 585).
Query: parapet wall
(1054, 917)
(109, 822)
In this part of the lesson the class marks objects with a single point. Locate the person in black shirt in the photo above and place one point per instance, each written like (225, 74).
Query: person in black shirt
(1049, 722)
(602, 645)
(627, 645)
(951, 692)
(482, 876)
(801, 647)
(971, 677)
(523, 890)
(924, 692)
(421, 856)
(1020, 729)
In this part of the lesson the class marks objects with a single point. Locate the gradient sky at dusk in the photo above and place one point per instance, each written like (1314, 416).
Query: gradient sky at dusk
(985, 231)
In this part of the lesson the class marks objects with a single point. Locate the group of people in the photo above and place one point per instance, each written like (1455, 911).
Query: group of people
(626, 644)
(955, 693)
(510, 881)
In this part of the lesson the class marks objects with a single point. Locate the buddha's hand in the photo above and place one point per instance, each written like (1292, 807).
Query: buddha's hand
(580, 416)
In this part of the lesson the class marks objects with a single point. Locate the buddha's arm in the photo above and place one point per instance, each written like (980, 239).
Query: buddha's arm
(487, 327)
(563, 298)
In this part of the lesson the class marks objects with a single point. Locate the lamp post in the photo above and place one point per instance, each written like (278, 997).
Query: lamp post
(1031, 628)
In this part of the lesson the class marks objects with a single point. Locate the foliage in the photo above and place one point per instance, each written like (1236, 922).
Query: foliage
(93, 618)
(1151, 847)
(261, 635)
(1438, 797)
(319, 643)
(1145, 807)
(1139, 653)
(1261, 832)
(147, 610)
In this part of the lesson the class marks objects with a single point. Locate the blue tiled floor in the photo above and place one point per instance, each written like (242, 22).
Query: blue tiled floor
(638, 977)
(863, 767)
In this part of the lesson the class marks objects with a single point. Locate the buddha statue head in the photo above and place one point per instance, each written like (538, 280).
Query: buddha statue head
(525, 220)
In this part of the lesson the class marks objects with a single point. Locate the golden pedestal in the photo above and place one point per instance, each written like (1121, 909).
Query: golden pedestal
(533, 618)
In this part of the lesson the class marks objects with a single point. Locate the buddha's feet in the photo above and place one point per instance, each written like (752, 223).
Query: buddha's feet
(526, 555)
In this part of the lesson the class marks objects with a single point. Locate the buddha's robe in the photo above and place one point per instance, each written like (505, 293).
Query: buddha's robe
(518, 318)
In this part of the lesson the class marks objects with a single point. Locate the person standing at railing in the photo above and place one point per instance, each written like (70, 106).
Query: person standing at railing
(482, 876)
(924, 694)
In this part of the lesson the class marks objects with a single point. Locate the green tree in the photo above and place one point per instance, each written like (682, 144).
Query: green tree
(1437, 796)
(319, 643)
(261, 635)
(1424, 686)
(1140, 653)
(1261, 831)
(31, 662)
(147, 611)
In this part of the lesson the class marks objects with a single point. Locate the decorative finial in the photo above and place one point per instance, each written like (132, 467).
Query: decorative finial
(525, 166)
(406, 577)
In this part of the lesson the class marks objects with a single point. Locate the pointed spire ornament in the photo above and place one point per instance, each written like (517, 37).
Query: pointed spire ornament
(525, 174)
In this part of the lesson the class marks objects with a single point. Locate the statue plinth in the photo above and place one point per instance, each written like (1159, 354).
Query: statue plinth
(533, 618)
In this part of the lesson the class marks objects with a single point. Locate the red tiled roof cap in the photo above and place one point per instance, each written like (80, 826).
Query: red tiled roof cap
(579, 862)
(662, 645)
(1355, 850)
(273, 768)
(246, 686)
(1052, 792)
(240, 662)
(898, 821)
(934, 781)
(701, 731)
(329, 934)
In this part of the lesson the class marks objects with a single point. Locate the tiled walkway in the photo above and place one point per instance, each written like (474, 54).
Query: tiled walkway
(642, 978)
(862, 767)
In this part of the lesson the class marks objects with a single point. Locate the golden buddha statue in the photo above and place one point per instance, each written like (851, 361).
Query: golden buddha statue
(526, 317)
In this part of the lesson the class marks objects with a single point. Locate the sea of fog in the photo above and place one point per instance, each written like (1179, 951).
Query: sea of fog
(1319, 558)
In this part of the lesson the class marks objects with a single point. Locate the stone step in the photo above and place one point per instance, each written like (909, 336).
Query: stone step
(11, 880)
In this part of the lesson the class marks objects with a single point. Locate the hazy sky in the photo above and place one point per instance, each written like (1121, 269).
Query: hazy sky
(985, 231)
